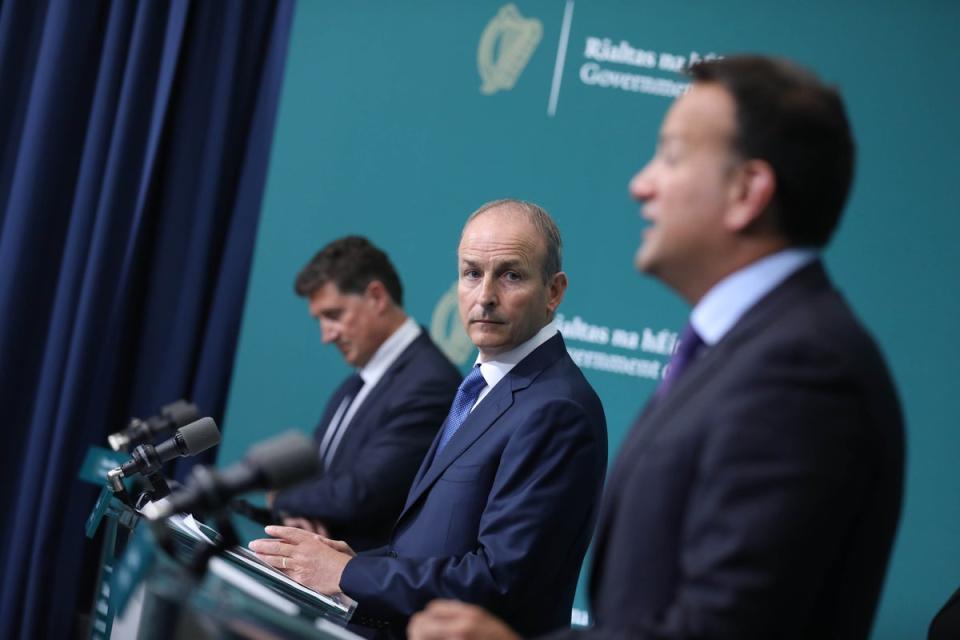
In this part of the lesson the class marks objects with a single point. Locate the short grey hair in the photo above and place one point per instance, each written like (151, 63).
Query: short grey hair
(542, 222)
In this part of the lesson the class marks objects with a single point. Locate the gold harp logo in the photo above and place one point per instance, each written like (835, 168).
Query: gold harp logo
(505, 48)
(447, 331)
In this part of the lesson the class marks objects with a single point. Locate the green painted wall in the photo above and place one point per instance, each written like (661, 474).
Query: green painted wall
(384, 131)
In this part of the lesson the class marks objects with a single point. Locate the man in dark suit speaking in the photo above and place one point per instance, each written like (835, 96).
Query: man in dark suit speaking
(503, 507)
(758, 494)
(380, 421)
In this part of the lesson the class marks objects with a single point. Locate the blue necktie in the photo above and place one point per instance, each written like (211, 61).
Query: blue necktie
(466, 396)
(690, 343)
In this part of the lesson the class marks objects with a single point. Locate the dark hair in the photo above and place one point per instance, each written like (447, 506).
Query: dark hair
(789, 118)
(351, 263)
(541, 221)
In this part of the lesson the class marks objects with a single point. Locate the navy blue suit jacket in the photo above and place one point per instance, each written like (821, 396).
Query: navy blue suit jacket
(503, 515)
(759, 497)
(360, 496)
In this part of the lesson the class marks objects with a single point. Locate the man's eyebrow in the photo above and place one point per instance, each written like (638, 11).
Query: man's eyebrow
(509, 263)
(326, 311)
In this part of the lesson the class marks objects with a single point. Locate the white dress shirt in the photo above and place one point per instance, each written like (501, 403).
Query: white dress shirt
(495, 370)
(727, 301)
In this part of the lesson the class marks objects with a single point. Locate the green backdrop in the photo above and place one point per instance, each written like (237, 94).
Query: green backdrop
(398, 119)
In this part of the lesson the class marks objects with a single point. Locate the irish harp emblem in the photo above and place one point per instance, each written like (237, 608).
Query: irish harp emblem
(506, 45)
(446, 330)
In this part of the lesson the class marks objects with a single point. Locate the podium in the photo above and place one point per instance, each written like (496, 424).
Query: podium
(116, 517)
(225, 601)
(193, 585)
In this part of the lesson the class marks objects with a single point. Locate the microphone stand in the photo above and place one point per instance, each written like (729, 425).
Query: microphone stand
(165, 608)
(158, 489)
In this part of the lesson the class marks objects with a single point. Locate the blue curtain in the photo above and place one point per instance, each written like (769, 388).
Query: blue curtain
(134, 141)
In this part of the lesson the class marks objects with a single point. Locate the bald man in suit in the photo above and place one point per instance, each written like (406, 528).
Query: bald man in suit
(503, 507)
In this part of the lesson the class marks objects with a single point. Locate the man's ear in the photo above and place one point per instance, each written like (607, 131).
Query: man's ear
(752, 189)
(378, 296)
(555, 290)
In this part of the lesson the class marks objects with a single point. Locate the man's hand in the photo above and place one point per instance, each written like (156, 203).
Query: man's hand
(449, 619)
(308, 558)
(313, 526)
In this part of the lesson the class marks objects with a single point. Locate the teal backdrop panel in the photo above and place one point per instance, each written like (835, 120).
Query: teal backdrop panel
(399, 119)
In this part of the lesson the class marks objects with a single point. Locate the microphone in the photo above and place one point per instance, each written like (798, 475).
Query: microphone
(187, 441)
(172, 416)
(277, 463)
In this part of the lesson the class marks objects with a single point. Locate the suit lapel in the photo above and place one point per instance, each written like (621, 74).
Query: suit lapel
(500, 398)
(380, 391)
(655, 414)
(332, 405)
(759, 317)
(482, 418)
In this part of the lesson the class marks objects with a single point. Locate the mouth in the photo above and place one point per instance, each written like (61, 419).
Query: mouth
(486, 321)
(649, 226)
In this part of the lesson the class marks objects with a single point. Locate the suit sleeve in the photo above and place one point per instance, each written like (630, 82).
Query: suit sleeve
(781, 477)
(386, 465)
(542, 498)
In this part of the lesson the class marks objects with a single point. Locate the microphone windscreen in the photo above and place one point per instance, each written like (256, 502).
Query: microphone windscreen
(200, 435)
(285, 460)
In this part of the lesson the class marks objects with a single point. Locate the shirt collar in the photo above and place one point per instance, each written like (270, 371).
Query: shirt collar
(493, 371)
(727, 301)
(388, 352)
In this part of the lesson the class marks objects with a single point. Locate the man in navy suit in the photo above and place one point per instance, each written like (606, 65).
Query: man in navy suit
(503, 507)
(758, 494)
(381, 420)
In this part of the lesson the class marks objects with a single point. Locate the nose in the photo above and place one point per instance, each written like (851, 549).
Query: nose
(641, 185)
(328, 332)
(488, 291)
